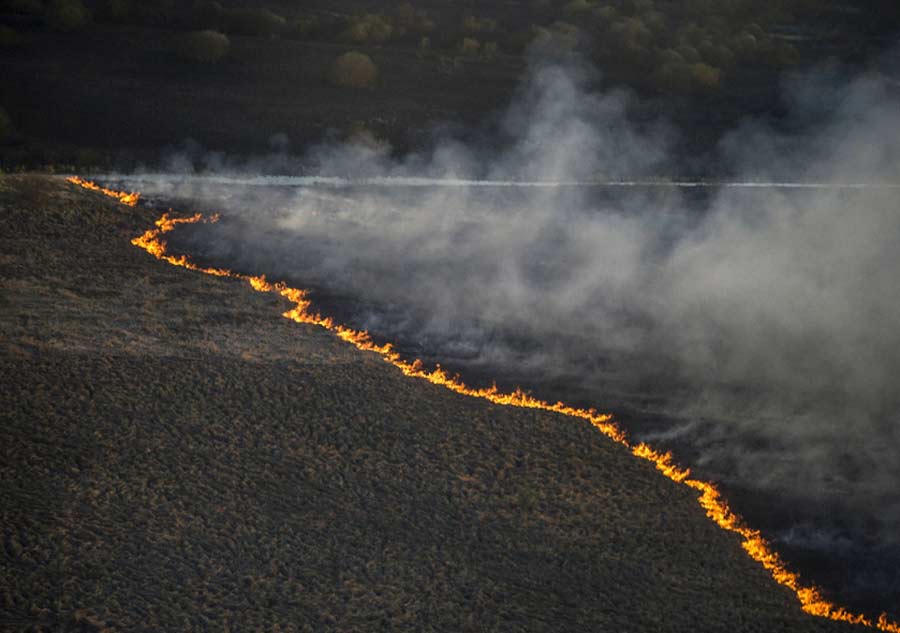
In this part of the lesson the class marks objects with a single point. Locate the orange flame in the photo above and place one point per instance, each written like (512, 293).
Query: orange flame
(131, 199)
(710, 499)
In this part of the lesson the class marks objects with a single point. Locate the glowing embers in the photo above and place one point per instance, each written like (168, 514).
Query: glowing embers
(710, 498)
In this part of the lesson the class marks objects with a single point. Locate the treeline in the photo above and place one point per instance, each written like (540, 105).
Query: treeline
(682, 46)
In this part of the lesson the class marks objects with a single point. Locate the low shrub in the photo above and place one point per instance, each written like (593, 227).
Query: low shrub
(202, 46)
(354, 70)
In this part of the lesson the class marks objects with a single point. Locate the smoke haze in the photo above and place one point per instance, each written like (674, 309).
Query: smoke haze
(757, 326)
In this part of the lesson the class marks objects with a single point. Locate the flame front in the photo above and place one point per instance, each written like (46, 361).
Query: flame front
(131, 199)
(716, 506)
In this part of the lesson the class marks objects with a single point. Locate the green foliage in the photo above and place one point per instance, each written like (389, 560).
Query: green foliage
(202, 46)
(6, 126)
(354, 70)
(66, 15)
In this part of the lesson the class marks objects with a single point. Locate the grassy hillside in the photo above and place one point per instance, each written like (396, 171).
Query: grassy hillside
(178, 457)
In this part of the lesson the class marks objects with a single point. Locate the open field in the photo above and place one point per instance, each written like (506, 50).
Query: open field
(177, 457)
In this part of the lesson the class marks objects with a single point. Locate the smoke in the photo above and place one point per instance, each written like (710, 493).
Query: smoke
(761, 322)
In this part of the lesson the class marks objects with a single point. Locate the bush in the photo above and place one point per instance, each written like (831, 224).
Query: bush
(371, 28)
(259, 22)
(202, 46)
(5, 126)
(66, 15)
(354, 70)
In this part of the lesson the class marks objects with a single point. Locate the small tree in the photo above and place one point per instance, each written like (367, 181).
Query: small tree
(66, 15)
(354, 70)
(202, 46)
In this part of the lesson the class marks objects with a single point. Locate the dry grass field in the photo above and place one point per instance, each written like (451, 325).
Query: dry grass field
(176, 457)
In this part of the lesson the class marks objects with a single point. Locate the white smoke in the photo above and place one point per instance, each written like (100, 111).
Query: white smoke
(764, 312)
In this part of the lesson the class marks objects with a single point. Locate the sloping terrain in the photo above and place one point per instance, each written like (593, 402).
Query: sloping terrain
(178, 457)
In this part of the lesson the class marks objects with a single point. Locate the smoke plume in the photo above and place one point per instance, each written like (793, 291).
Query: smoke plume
(759, 323)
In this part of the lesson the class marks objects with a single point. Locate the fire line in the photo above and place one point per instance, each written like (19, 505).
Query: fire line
(710, 499)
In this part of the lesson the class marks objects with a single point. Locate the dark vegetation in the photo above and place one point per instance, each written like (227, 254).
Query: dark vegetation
(704, 63)
(202, 46)
(178, 457)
